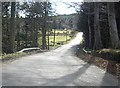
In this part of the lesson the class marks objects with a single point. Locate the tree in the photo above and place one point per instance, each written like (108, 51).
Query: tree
(17, 26)
(117, 13)
(5, 26)
(37, 13)
(44, 26)
(102, 17)
(0, 27)
(85, 23)
(18, 32)
(89, 16)
(27, 29)
(12, 29)
(89, 27)
(115, 42)
(46, 12)
(97, 41)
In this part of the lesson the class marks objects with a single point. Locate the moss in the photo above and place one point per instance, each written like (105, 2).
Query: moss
(112, 54)
(111, 51)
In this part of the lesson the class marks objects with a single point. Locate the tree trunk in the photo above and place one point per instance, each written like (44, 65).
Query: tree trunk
(89, 27)
(36, 38)
(26, 36)
(18, 33)
(115, 42)
(54, 38)
(12, 29)
(44, 27)
(48, 39)
(43, 38)
(35, 34)
(0, 27)
(97, 41)
(66, 35)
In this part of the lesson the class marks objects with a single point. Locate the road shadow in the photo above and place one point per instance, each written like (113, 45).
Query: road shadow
(110, 75)
(108, 80)
(67, 79)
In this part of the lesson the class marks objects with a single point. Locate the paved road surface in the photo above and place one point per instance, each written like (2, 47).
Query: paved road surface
(59, 67)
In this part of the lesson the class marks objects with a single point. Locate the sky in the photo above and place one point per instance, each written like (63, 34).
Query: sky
(60, 7)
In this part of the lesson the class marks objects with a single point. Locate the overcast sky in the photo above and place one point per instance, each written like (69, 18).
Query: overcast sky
(62, 8)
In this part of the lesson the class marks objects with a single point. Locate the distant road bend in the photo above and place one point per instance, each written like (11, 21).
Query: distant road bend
(59, 67)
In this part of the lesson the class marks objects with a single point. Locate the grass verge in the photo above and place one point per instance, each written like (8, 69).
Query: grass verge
(14, 56)
(11, 57)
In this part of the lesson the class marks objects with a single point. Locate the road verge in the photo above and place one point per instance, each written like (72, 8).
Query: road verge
(101, 60)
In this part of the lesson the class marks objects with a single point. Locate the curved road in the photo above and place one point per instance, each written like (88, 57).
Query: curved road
(59, 67)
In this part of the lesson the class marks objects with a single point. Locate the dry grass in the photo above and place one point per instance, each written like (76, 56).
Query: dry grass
(6, 57)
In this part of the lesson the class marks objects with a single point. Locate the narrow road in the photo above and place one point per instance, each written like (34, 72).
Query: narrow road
(59, 67)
